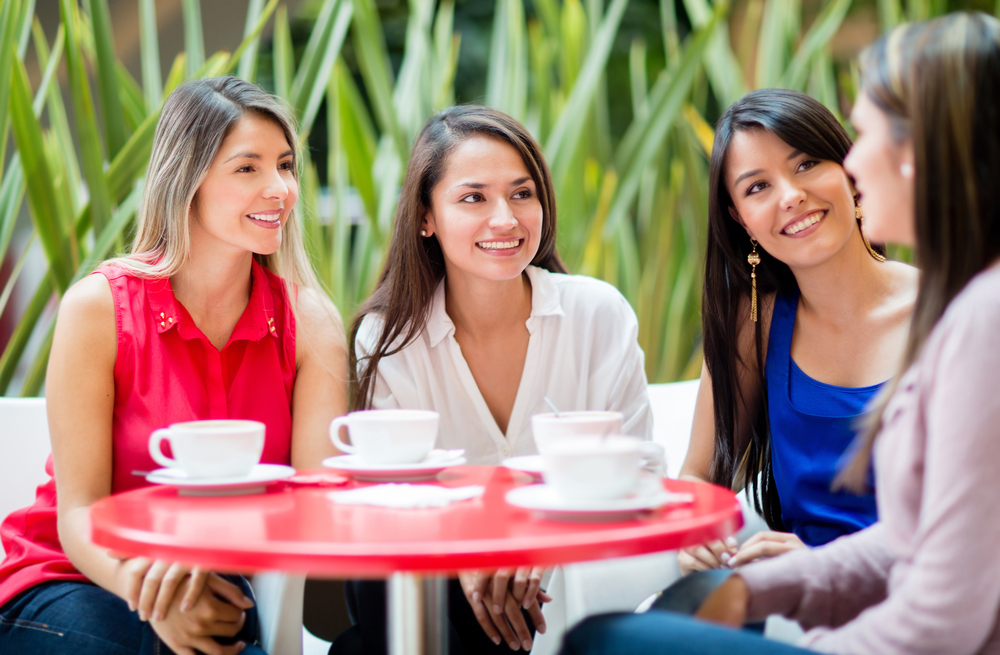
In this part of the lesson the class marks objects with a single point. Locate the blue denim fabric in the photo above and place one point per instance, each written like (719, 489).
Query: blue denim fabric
(665, 632)
(83, 619)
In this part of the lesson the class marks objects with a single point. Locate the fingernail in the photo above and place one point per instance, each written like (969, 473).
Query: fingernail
(185, 606)
(526, 644)
(247, 602)
(731, 542)
(476, 597)
(496, 609)
(241, 645)
(724, 557)
(142, 615)
(131, 606)
(514, 645)
(541, 628)
(496, 640)
(157, 616)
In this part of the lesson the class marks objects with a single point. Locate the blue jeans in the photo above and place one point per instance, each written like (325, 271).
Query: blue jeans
(657, 631)
(80, 618)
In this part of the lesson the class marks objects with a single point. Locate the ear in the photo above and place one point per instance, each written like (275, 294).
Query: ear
(427, 223)
(739, 219)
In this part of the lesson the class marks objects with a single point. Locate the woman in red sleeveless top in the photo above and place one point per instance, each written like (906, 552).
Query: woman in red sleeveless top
(201, 321)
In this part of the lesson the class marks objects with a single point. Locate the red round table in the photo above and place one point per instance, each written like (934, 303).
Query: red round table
(300, 529)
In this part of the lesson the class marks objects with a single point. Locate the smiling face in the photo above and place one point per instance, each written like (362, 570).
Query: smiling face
(485, 211)
(248, 192)
(799, 208)
(882, 167)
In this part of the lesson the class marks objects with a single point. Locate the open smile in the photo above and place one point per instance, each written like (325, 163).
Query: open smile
(510, 244)
(804, 223)
(269, 220)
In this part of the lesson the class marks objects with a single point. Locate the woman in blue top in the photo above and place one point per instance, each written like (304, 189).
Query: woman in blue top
(803, 322)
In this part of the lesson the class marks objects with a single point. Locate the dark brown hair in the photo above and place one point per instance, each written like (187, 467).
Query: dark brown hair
(414, 265)
(939, 83)
(742, 430)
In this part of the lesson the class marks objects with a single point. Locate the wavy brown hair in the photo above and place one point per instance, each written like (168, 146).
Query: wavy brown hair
(938, 82)
(414, 265)
(742, 430)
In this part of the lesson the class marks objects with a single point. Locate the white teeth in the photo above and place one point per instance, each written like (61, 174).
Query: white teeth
(267, 218)
(808, 221)
(498, 245)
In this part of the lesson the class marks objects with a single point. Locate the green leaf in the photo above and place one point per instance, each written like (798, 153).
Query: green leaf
(282, 55)
(86, 121)
(149, 49)
(9, 13)
(44, 208)
(559, 148)
(107, 76)
(376, 71)
(23, 331)
(247, 69)
(194, 42)
(816, 39)
(317, 63)
(250, 39)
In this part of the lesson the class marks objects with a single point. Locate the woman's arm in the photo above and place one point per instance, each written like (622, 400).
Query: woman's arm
(320, 392)
(80, 394)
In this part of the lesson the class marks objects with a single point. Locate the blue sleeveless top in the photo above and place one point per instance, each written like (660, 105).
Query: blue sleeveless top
(812, 424)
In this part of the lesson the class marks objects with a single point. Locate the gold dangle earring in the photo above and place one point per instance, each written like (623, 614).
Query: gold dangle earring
(753, 259)
(860, 215)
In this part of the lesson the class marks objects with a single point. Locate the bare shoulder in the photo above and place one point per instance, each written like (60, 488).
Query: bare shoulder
(319, 322)
(89, 302)
(86, 325)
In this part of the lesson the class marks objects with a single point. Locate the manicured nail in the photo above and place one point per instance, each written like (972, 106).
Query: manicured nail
(496, 640)
(514, 645)
(247, 603)
(157, 616)
(526, 644)
(527, 603)
(131, 606)
(142, 615)
(724, 557)
(731, 542)
(541, 628)
(241, 646)
(476, 597)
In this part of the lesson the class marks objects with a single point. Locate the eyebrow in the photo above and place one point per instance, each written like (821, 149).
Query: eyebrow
(254, 155)
(795, 153)
(480, 185)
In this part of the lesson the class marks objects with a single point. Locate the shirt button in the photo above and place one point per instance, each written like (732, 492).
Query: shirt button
(505, 450)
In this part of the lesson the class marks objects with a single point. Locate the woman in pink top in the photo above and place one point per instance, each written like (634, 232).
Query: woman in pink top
(924, 578)
(215, 314)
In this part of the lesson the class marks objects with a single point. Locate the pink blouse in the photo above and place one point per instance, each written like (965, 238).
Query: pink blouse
(925, 578)
(167, 371)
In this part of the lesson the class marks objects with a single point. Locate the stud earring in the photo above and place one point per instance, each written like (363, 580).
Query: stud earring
(423, 233)
(860, 215)
(753, 259)
(906, 170)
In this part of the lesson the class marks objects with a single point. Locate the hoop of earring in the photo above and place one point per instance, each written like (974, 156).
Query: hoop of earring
(753, 259)
(860, 215)
(423, 233)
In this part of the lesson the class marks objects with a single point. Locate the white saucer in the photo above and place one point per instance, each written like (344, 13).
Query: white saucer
(543, 498)
(427, 469)
(533, 465)
(254, 482)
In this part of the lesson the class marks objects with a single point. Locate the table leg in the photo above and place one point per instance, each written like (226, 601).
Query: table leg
(418, 615)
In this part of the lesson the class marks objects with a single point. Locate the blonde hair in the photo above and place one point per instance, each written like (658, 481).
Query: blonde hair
(195, 120)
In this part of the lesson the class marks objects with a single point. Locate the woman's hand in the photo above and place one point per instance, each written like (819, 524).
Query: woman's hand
(764, 545)
(727, 604)
(711, 555)
(219, 610)
(498, 610)
(149, 586)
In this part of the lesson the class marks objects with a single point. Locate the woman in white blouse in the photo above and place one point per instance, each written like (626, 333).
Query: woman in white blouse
(474, 317)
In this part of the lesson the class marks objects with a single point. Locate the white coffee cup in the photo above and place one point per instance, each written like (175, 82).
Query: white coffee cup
(387, 436)
(550, 429)
(210, 449)
(593, 468)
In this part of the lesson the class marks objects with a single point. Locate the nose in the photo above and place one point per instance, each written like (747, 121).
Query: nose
(503, 216)
(276, 187)
(792, 195)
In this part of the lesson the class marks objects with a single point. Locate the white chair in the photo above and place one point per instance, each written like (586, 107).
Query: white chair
(24, 444)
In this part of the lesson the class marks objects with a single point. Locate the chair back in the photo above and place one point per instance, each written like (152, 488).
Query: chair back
(673, 413)
(24, 446)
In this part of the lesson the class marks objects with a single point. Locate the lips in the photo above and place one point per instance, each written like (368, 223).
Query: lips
(804, 222)
(499, 245)
(266, 219)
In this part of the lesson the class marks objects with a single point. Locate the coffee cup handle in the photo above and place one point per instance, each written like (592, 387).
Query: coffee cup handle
(155, 440)
(338, 443)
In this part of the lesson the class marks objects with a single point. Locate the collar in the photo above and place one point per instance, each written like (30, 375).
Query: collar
(545, 301)
(257, 320)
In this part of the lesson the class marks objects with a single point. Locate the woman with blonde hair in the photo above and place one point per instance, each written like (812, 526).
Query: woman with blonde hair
(215, 314)
(923, 578)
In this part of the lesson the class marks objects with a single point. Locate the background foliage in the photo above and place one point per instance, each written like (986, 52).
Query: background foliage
(626, 136)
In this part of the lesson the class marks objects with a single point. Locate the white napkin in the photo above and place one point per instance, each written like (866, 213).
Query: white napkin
(404, 496)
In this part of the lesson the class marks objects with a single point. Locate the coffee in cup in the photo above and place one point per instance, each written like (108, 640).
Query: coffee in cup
(593, 468)
(387, 436)
(549, 429)
(210, 449)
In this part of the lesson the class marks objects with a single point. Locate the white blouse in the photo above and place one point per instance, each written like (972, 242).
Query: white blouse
(582, 354)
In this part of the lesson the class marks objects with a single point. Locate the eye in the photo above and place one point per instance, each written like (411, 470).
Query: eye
(808, 164)
(756, 187)
(472, 197)
(245, 168)
(523, 194)
(287, 165)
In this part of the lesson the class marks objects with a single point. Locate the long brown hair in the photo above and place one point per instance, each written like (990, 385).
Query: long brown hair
(938, 82)
(414, 265)
(742, 430)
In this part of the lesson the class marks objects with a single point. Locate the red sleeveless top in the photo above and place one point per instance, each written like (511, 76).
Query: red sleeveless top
(167, 371)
